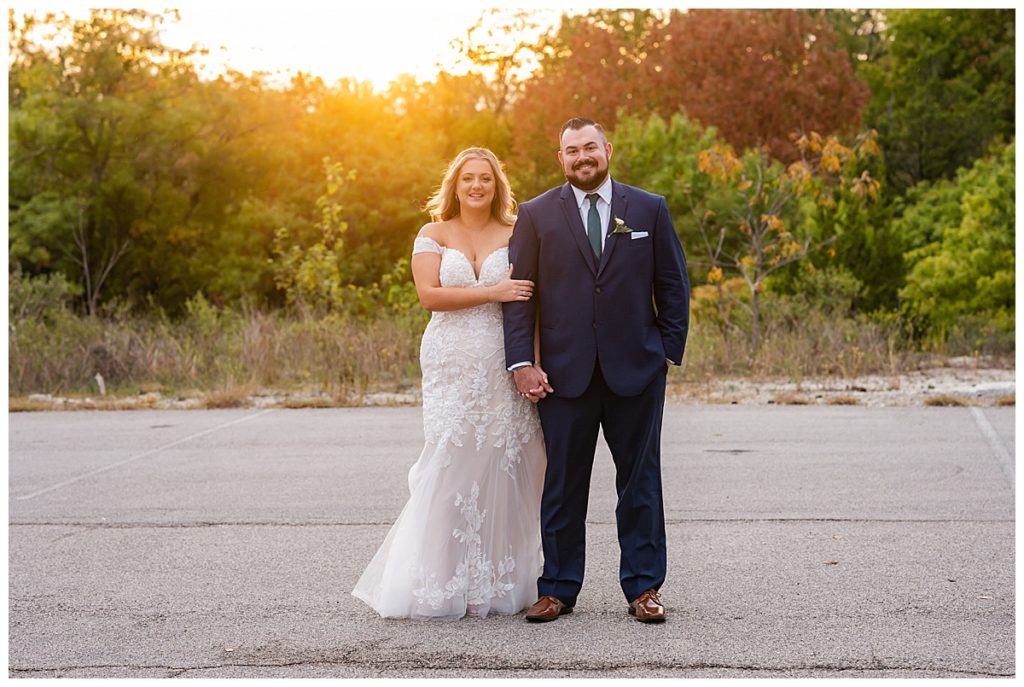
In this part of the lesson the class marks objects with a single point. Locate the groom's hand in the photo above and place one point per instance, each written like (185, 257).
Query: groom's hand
(545, 387)
(532, 382)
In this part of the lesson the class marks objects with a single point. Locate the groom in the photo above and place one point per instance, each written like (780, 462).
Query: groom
(612, 299)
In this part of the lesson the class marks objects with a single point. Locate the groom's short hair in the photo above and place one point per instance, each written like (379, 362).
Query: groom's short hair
(577, 123)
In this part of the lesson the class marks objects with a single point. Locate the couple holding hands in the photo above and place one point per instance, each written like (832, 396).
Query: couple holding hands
(546, 326)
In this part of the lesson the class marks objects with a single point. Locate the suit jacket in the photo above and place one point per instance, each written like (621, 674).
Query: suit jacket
(627, 312)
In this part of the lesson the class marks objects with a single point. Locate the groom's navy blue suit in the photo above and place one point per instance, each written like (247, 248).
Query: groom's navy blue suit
(607, 327)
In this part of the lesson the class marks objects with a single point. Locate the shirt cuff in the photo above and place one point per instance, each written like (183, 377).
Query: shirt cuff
(513, 368)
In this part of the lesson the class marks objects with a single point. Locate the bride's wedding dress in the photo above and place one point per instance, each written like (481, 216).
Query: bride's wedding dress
(468, 539)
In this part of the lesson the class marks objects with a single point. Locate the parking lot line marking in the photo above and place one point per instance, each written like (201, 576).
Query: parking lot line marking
(140, 456)
(998, 448)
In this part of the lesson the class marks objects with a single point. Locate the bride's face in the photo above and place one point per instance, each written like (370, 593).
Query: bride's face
(476, 184)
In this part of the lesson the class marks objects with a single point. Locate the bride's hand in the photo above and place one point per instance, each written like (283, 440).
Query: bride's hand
(509, 289)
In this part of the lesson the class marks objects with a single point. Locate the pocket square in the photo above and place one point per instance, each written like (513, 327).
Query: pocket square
(633, 235)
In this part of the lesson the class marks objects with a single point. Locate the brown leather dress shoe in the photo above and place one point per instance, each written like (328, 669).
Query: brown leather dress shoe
(546, 609)
(647, 607)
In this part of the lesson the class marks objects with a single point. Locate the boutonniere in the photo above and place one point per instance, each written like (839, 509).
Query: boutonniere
(620, 227)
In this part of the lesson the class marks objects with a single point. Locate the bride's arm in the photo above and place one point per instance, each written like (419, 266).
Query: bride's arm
(426, 273)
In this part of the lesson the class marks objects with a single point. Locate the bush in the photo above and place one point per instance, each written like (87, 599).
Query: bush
(965, 276)
(39, 297)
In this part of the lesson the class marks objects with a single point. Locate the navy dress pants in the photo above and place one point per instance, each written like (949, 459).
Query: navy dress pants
(632, 428)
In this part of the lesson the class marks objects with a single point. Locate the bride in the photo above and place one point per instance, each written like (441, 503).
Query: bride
(468, 540)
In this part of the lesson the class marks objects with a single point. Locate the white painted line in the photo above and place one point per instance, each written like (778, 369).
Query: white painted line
(998, 448)
(140, 456)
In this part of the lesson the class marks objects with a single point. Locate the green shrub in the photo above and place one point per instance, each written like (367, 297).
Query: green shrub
(965, 277)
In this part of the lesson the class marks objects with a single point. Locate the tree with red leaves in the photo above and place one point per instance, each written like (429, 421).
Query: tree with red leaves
(758, 76)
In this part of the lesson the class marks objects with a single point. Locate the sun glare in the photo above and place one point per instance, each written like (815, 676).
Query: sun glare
(373, 42)
(328, 41)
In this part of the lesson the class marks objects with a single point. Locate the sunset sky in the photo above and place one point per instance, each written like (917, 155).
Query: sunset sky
(369, 40)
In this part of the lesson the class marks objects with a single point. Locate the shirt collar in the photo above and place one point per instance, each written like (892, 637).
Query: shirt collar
(604, 190)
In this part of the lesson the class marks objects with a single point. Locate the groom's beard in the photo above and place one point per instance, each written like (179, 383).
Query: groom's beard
(588, 183)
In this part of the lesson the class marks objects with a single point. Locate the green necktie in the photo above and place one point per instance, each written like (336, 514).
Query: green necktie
(594, 225)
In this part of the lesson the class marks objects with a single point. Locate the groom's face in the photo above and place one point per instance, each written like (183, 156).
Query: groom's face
(584, 155)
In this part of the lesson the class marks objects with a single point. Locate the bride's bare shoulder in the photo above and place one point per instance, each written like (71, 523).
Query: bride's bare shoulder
(434, 230)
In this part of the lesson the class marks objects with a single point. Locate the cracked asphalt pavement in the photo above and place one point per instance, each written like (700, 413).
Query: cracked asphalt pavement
(803, 542)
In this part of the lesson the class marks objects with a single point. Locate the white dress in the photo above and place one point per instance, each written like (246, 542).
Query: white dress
(468, 539)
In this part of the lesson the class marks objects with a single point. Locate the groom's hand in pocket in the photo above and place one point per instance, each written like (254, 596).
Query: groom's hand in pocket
(532, 382)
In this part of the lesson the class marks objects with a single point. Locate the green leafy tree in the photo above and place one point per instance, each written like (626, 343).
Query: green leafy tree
(860, 31)
(865, 246)
(102, 144)
(943, 91)
(965, 275)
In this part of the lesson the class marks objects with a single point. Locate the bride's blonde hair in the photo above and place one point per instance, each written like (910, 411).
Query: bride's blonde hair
(444, 204)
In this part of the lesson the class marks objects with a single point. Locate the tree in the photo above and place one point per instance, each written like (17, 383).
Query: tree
(177, 185)
(591, 66)
(100, 146)
(943, 91)
(756, 76)
(866, 246)
(763, 219)
(861, 32)
(965, 275)
(500, 49)
(662, 156)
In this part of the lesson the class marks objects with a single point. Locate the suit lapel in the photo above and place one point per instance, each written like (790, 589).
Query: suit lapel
(575, 224)
(611, 240)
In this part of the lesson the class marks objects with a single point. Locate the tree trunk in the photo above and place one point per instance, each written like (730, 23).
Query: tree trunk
(755, 319)
(94, 274)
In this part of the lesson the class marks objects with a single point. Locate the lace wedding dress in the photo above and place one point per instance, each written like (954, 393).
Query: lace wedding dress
(468, 539)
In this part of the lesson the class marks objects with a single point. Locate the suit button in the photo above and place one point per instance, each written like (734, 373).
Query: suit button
(598, 289)
(595, 325)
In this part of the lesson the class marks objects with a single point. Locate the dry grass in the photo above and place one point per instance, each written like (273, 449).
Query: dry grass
(843, 401)
(946, 401)
(314, 402)
(814, 344)
(214, 352)
(237, 397)
(787, 399)
(1007, 400)
(22, 404)
(220, 356)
